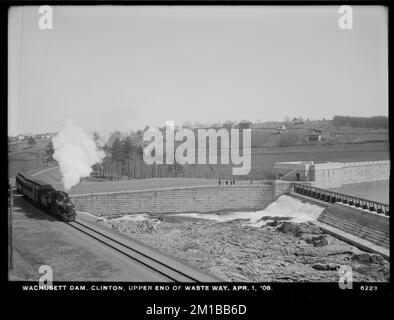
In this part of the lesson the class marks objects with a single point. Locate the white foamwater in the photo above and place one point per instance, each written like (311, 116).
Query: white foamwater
(132, 217)
(224, 217)
(284, 206)
(288, 207)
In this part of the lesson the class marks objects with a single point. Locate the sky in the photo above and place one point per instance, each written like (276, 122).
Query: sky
(118, 67)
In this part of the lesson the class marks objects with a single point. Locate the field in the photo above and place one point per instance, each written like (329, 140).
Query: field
(263, 134)
(263, 158)
(23, 149)
(23, 157)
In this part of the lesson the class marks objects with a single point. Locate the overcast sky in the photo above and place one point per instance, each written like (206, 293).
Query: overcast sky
(127, 67)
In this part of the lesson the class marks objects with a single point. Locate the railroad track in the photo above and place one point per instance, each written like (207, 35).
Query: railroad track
(170, 269)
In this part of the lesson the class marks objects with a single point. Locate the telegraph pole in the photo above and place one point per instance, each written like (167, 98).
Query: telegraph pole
(10, 230)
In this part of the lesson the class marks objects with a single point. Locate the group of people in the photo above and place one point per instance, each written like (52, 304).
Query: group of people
(229, 182)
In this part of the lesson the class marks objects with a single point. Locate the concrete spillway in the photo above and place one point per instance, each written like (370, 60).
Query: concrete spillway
(365, 225)
(362, 224)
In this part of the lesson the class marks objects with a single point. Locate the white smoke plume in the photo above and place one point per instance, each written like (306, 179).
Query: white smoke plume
(76, 153)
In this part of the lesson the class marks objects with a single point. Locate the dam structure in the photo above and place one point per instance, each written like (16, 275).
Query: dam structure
(363, 218)
(333, 174)
(361, 222)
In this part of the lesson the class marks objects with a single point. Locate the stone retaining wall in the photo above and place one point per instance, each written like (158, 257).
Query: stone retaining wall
(366, 171)
(199, 199)
(336, 174)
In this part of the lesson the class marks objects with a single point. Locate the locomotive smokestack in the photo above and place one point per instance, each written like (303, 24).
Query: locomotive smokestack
(76, 153)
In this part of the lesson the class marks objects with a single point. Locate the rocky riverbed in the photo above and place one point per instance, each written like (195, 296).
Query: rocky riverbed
(278, 251)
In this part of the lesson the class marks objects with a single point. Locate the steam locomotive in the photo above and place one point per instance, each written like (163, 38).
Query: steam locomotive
(45, 196)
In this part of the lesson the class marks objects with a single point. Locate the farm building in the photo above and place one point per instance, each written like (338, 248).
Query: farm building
(298, 121)
(280, 129)
(312, 137)
(315, 130)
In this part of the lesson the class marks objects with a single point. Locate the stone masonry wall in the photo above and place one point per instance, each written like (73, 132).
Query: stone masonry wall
(366, 171)
(281, 187)
(333, 175)
(199, 199)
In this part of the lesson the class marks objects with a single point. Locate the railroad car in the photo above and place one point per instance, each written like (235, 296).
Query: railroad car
(45, 196)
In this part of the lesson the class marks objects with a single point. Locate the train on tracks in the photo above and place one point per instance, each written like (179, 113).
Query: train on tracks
(45, 196)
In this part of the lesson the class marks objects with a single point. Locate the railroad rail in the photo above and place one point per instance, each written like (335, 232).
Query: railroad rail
(331, 196)
(170, 269)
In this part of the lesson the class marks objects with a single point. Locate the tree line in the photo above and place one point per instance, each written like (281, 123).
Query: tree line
(124, 160)
(380, 122)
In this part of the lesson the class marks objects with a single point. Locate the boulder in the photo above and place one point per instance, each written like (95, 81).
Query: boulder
(131, 227)
(298, 229)
(319, 241)
(316, 241)
(326, 267)
(361, 257)
(308, 228)
(376, 258)
(288, 227)
(367, 258)
(273, 223)
(274, 218)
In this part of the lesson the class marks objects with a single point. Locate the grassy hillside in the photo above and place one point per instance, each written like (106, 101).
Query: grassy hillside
(264, 137)
(23, 157)
(24, 151)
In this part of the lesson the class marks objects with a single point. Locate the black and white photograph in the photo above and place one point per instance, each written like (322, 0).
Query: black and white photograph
(192, 144)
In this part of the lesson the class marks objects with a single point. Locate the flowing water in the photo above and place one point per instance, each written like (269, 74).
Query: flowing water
(284, 207)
